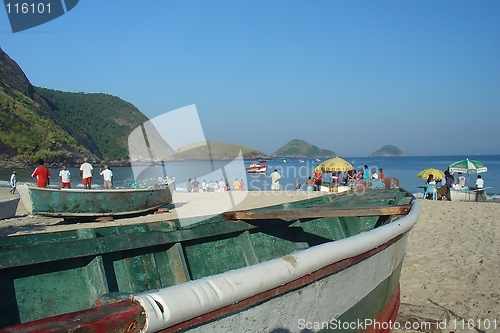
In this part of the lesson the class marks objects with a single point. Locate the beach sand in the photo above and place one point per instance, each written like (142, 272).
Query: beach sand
(452, 260)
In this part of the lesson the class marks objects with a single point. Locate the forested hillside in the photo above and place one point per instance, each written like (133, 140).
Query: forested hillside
(61, 127)
(103, 119)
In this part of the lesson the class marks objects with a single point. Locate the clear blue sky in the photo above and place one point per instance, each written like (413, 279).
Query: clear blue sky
(349, 76)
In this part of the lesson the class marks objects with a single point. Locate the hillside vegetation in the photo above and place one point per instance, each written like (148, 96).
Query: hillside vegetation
(300, 148)
(61, 127)
(216, 151)
(388, 150)
(103, 119)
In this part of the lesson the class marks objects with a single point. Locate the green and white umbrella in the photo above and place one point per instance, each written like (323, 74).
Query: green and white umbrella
(467, 166)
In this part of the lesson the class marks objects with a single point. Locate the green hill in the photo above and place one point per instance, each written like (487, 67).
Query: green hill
(216, 151)
(300, 148)
(61, 127)
(104, 120)
(388, 150)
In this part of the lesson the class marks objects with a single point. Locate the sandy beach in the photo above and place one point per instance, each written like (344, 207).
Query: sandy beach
(451, 262)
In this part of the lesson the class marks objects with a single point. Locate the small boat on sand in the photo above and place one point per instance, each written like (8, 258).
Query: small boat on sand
(92, 203)
(256, 167)
(8, 208)
(308, 265)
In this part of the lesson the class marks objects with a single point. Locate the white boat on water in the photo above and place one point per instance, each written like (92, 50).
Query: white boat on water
(256, 167)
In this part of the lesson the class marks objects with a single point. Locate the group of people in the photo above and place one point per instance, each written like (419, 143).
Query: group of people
(42, 175)
(443, 192)
(314, 183)
(193, 185)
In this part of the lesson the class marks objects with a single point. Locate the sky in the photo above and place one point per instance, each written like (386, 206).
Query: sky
(348, 76)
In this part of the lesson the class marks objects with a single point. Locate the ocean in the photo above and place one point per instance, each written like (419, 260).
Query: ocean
(405, 168)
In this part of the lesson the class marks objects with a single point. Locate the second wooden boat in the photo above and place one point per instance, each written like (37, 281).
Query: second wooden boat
(88, 203)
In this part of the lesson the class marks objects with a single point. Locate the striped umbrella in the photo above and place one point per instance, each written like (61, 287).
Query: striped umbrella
(467, 166)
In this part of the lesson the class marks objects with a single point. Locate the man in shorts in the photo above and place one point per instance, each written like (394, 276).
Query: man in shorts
(480, 188)
(275, 180)
(86, 172)
(107, 175)
(64, 177)
(13, 182)
(41, 174)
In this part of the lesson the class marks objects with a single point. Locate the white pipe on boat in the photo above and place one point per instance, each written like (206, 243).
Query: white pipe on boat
(172, 305)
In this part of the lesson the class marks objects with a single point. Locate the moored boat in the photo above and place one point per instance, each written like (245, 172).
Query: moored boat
(79, 202)
(256, 167)
(8, 208)
(330, 259)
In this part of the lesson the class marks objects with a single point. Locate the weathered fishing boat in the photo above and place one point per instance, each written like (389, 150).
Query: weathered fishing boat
(8, 208)
(311, 265)
(79, 203)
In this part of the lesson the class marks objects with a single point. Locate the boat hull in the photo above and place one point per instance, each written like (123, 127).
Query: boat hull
(8, 208)
(257, 170)
(88, 203)
(341, 263)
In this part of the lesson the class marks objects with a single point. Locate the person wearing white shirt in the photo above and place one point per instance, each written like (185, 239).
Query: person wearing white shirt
(64, 177)
(480, 188)
(108, 176)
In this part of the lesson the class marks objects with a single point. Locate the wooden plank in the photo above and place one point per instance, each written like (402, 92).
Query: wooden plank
(318, 212)
(124, 316)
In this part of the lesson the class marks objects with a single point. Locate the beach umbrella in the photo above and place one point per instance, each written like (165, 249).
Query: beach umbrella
(467, 166)
(335, 164)
(436, 173)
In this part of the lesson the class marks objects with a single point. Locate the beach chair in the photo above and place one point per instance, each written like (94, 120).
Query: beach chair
(432, 190)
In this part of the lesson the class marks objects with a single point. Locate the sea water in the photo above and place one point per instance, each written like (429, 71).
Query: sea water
(405, 168)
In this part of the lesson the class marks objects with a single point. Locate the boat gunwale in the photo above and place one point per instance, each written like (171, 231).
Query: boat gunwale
(292, 267)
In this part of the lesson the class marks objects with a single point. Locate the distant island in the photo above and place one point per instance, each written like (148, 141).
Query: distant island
(215, 151)
(388, 150)
(300, 148)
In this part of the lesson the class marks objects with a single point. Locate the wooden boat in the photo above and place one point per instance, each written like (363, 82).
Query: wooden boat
(256, 167)
(79, 203)
(301, 266)
(464, 194)
(8, 208)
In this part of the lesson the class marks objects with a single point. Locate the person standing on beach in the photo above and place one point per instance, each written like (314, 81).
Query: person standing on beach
(64, 177)
(222, 185)
(298, 185)
(242, 185)
(480, 188)
(374, 174)
(381, 173)
(107, 175)
(196, 185)
(13, 182)
(366, 172)
(236, 185)
(42, 174)
(309, 184)
(86, 172)
(461, 180)
(275, 180)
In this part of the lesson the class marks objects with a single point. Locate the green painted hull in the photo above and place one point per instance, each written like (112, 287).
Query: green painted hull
(78, 203)
(43, 275)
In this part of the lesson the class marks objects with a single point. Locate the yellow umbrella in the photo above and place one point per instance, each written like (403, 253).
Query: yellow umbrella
(431, 171)
(335, 164)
